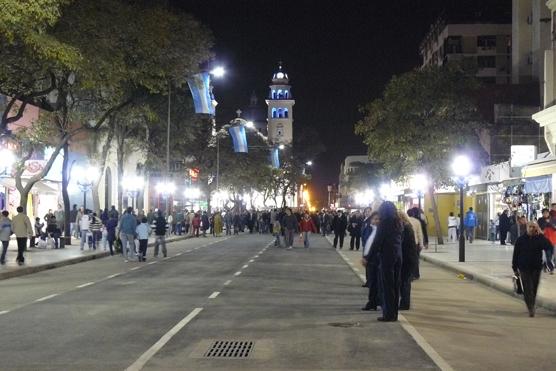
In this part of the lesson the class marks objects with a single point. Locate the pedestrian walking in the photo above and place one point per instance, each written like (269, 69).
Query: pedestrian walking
(143, 231)
(84, 228)
(470, 222)
(113, 213)
(354, 229)
(111, 226)
(291, 227)
(306, 227)
(504, 226)
(237, 223)
(527, 262)
(205, 223)
(5, 233)
(217, 218)
(276, 232)
(452, 228)
(419, 242)
(548, 227)
(339, 225)
(127, 226)
(196, 224)
(228, 221)
(96, 230)
(410, 260)
(388, 242)
(160, 227)
(73, 220)
(370, 260)
(22, 228)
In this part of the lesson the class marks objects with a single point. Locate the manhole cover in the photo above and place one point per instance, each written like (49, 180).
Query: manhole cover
(230, 349)
(345, 324)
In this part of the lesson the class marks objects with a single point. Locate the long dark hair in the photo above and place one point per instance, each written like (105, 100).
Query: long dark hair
(389, 213)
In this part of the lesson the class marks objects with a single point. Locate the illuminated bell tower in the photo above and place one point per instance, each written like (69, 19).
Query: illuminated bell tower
(280, 109)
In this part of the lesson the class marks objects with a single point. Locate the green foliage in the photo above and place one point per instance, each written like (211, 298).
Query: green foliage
(423, 118)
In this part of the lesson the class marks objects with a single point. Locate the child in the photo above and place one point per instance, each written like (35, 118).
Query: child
(276, 230)
(143, 231)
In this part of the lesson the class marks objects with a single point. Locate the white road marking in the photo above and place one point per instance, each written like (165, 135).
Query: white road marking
(227, 282)
(151, 263)
(245, 266)
(237, 273)
(178, 254)
(251, 261)
(46, 297)
(214, 295)
(256, 256)
(85, 285)
(145, 357)
(135, 268)
(4, 312)
(166, 258)
(113, 275)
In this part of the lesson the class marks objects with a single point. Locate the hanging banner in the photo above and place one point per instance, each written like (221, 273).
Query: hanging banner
(199, 85)
(275, 158)
(239, 138)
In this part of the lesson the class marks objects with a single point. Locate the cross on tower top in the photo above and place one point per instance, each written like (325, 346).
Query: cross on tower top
(238, 112)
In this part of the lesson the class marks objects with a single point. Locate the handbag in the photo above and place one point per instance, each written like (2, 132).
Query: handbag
(518, 288)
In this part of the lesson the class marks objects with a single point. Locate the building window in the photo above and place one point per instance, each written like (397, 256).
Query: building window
(486, 62)
(280, 94)
(280, 113)
(285, 112)
(274, 113)
(273, 94)
(286, 94)
(486, 42)
(453, 45)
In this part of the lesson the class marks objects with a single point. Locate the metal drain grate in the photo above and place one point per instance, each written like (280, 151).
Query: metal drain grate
(230, 349)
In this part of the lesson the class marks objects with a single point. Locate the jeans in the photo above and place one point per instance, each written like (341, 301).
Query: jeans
(128, 240)
(469, 233)
(4, 250)
(178, 229)
(55, 236)
(530, 282)
(160, 240)
(21, 245)
(288, 237)
(549, 262)
(452, 234)
(73, 231)
(143, 249)
(277, 242)
(97, 237)
(83, 239)
(306, 239)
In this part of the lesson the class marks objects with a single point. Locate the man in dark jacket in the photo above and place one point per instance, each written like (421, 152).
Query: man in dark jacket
(505, 224)
(160, 227)
(410, 261)
(354, 228)
(205, 223)
(339, 225)
(291, 226)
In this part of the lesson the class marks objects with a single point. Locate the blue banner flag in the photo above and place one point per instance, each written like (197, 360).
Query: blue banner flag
(275, 157)
(239, 138)
(199, 85)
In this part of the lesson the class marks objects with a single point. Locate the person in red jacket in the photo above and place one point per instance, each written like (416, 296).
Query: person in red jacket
(306, 227)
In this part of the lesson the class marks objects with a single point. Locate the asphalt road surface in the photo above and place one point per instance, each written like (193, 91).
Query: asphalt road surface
(277, 309)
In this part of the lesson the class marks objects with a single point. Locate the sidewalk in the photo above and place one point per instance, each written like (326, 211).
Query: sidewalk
(37, 260)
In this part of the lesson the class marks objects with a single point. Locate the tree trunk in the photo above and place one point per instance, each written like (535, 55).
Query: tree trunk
(439, 235)
(120, 154)
(102, 165)
(65, 195)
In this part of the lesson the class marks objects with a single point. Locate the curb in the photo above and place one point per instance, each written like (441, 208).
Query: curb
(79, 259)
(486, 280)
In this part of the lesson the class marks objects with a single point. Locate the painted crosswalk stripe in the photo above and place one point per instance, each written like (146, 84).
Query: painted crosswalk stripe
(227, 282)
(4, 312)
(214, 295)
(135, 268)
(237, 273)
(113, 275)
(251, 261)
(85, 285)
(245, 266)
(145, 357)
(46, 297)
(151, 263)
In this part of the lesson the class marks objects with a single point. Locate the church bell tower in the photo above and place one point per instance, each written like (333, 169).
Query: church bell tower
(280, 109)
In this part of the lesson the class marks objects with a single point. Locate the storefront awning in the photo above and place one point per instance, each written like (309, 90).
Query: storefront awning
(539, 169)
(39, 187)
(538, 185)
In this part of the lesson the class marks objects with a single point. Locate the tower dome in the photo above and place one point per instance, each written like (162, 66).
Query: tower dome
(280, 76)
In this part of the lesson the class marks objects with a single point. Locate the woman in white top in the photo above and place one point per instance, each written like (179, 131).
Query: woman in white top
(452, 228)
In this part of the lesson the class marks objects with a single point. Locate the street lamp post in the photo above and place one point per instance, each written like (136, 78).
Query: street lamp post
(329, 188)
(85, 180)
(462, 168)
(133, 186)
(166, 189)
(419, 185)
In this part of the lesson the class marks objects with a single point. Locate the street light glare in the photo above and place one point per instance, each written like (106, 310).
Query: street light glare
(281, 146)
(462, 166)
(250, 124)
(7, 157)
(218, 72)
(309, 163)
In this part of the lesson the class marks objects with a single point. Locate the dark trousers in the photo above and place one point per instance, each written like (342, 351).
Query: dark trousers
(111, 245)
(143, 249)
(530, 282)
(390, 284)
(503, 234)
(21, 245)
(355, 242)
(405, 288)
(338, 236)
(549, 255)
(5, 245)
(371, 271)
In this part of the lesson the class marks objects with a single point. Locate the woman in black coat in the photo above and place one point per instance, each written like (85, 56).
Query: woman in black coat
(410, 261)
(527, 262)
(388, 244)
(505, 224)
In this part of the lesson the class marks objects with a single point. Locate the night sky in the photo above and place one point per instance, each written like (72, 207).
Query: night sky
(338, 54)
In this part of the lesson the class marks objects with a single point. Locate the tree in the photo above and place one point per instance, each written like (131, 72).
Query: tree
(422, 119)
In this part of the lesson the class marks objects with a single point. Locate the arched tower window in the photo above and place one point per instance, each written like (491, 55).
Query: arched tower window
(280, 112)
(274, 113)
(280, 94)
(286, 94)
(273, 94)
(285, 112)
